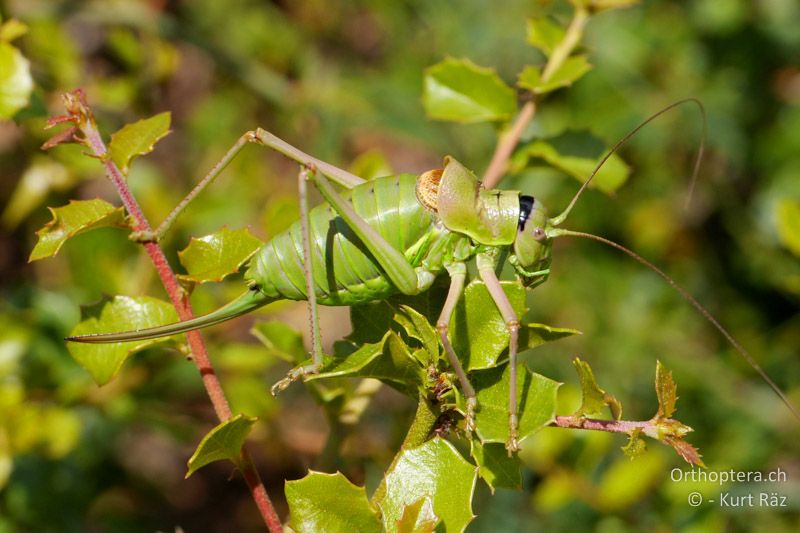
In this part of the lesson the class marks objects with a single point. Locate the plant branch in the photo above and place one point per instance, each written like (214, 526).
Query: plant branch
(509, 140)
(667, 430)
(82, 116)
(611, 426)
(506, 144)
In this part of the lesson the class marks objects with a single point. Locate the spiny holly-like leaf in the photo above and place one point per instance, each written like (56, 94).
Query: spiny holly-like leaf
(418, 327)
(544, 34)
(689, 453)
(536, 396)
(388, 360)
(570, 71)
(594, 399)
(137, 139)
(495, 466)
(281, 340)
(225, 441)
(434, 470)
(329, 502)
(664, 428)
(16, 83)
(576, 154)
(788, 213)
(121, 313)
(372, 321)
(418, 517)
(636, 445)
(460, 91)
(533, 335)
(666, 390)
(73, 219)
(477, 329)
(215, 256)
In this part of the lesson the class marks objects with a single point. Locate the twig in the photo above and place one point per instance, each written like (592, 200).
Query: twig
(82, 116)
(611, 426)
(509, 140)
(506, 145)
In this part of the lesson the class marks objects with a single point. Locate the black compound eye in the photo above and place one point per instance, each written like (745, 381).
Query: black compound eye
(525, 208)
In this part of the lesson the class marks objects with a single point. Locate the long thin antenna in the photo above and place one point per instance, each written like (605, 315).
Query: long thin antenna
(691, 299)
(698, 159)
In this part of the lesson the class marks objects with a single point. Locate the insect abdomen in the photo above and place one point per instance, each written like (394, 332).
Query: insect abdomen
(345, 273)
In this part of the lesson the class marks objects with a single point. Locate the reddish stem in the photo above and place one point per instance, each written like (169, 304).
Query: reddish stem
(82, 115)
(612, 426)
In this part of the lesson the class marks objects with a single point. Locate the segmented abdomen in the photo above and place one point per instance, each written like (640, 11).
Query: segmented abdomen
(345, 272)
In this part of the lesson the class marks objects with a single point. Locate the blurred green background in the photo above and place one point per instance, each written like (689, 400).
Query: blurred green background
(342, 80)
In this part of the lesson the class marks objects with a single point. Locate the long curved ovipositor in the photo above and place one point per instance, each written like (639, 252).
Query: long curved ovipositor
(249, 301)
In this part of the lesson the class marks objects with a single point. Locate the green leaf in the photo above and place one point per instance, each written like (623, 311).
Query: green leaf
(372, 321)
(16, 83)
(137, 139)
(788, 212)
(570, 71)
(460, 91)
(39, 179)
(536, 402)
(418, 517)
(477, 330)
(73, 219)
(281, 340)
(418, 327)
(495, 466)
(371, 164)
(636, 445)
(122, 313)
(532, 335)
(624, 483)
(434, 470)
(576, 154)
(215, 256)
(599, 5)
(329, 502)
(12, 29)
(225, 441)
(6, 458)
(388, 360)
(666, 390)
(544, 34)
(594, 399)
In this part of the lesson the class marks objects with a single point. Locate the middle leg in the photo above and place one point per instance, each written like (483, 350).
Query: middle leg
(458, 273)
(486, 266)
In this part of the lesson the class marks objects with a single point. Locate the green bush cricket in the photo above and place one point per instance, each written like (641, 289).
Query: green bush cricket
(396, 235)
